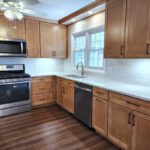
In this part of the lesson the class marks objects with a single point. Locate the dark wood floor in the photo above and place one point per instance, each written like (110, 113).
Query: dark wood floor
(49, 128)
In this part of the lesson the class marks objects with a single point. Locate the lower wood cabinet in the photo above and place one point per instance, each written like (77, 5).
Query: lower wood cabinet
(141, 132)
(129, 122)
(43, 90)
(100, 115)
(65, 94)
(119, 125)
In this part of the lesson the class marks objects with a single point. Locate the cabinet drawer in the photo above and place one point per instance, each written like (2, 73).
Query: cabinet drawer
(101, 93)
(132, 103)
(68, 83)
(41, 79)
(40, 88)
(42, 99)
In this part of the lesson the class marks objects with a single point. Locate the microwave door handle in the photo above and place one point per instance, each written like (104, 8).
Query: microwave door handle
(21, 44)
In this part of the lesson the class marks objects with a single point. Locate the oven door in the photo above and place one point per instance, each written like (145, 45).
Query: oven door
(14, 94)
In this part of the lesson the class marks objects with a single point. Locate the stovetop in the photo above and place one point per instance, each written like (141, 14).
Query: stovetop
(13, 75)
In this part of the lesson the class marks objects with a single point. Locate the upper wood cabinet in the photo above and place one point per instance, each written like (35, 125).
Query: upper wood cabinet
(3, 27)
(46, 39)
(33, 38)
(137, 37)
(16, 29)
(115, 28)
(11, 29)
(59, 40)
(141, 132)
(127, 29)
(53, 40)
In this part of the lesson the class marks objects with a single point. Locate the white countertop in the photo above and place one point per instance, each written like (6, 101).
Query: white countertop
(129, 89)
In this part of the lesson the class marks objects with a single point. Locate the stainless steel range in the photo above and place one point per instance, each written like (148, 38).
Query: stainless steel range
(15, 93)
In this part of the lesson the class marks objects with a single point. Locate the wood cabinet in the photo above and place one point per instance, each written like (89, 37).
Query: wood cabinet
(3, 27)
(16, 29)
(127, 29)
(115, 28)
(100, 115)
(65, 94)
(119, 127)
(129, 122)
(33, 38)
(46, 40)
(59, 40)
(141, 132)
(53, 40)
(43, 89)
(137, 34)
(12, 29)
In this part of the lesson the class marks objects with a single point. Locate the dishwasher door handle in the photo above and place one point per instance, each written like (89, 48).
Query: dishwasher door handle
(84, 89)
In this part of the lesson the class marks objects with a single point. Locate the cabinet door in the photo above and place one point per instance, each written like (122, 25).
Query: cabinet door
(33, 38)
(16, 29)
(99, 115)
(3, 27)
(115, 28)
(137, 28)
(59, 38)
(46, 39)
(119, 127)
(70, 99)
(64, 97)
(141, 132)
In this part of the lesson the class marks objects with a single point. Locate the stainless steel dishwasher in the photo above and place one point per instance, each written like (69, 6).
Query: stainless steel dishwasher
(83, 103)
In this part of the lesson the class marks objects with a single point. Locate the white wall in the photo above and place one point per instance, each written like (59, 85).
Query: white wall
(37, 66)
(127, 70)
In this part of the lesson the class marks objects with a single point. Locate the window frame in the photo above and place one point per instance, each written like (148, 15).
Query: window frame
(88, 33)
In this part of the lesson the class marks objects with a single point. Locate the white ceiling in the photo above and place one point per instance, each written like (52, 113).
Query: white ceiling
(54, 9)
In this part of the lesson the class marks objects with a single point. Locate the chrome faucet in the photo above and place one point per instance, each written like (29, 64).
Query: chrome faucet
(82, 70)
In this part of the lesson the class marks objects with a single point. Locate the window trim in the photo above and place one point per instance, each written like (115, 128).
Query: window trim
(87, 33)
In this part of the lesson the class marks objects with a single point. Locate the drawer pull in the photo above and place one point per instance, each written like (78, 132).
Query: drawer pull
(101, 93)
(137, 105)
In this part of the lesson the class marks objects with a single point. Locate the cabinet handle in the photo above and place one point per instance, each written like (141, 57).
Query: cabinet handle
(133, 120)
(99, 93)
(147, 51)
(122, 50)
(129, 118)
(137, 105)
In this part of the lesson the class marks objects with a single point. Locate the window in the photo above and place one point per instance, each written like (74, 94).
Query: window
(89, 48)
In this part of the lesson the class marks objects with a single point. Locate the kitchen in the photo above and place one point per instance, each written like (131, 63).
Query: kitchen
(75, 78)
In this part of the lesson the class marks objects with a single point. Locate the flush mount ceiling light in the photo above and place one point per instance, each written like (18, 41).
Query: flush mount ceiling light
(16, 9)
(13, 15)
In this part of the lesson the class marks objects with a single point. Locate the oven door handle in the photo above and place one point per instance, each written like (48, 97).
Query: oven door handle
(9, 83)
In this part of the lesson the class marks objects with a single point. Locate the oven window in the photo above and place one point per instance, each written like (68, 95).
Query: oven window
(12, 93)
(10, 47)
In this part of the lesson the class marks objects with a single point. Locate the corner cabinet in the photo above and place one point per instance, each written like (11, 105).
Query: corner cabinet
(12, 29)
(127, 29)
(53, 40)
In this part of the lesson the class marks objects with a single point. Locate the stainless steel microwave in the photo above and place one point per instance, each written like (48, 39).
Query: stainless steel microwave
(13, 48)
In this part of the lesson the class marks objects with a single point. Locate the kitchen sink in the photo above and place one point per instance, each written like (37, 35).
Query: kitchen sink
(75, 76)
